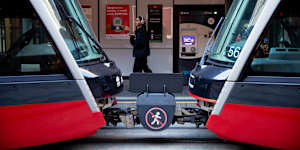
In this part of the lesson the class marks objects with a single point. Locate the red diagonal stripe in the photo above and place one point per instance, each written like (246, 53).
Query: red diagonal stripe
(155, 117)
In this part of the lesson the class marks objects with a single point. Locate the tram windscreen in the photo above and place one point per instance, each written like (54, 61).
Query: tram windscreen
(238, 24)
(78, 36)
(278, 52)
(25, 45)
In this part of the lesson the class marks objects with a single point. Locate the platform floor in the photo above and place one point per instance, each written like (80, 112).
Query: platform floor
(174, 138)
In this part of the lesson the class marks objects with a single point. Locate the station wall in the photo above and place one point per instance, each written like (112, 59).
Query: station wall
(120, 49)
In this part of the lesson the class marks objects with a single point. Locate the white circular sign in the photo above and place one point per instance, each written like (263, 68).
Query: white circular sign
(211, 21)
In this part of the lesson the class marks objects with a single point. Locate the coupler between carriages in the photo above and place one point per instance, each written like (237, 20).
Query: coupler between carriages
(156, 110)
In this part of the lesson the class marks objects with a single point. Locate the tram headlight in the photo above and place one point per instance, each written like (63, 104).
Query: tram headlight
(119, 81)
(192, 78)
(107, 65)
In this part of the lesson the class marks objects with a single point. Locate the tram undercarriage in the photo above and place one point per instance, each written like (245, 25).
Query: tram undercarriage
(148, 101)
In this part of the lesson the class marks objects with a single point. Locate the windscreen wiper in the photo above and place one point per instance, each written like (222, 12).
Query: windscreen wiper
(207, 44)
(71, 20)
(64, 15)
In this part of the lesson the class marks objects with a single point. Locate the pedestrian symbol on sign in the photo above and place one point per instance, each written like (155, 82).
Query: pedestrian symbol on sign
(156, 118)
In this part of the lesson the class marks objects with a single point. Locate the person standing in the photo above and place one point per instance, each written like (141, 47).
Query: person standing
(140, 43)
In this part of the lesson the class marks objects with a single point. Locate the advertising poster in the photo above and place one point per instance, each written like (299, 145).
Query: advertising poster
(155, 22)
(117, 21)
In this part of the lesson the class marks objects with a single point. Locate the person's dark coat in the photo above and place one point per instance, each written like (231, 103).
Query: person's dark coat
(140, 43)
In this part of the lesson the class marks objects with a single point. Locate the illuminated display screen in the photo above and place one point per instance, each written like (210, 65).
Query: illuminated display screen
(188, 40)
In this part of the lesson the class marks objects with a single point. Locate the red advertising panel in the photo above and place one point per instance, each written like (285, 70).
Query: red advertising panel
(117, 21)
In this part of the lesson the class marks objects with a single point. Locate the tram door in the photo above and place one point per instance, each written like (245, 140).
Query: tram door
(193, 26)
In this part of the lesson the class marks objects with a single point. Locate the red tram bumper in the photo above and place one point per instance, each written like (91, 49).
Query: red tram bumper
(276, 127)
(38, 124)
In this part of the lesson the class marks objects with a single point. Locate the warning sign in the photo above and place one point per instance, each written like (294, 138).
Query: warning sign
(156, 118)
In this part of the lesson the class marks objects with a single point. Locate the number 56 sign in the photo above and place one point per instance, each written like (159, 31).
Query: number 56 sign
(234, 51)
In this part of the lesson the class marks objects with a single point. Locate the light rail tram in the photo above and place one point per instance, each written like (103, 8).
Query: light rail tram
(250, 80)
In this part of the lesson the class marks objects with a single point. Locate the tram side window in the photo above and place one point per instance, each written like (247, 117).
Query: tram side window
(25, 46)
(278, 53)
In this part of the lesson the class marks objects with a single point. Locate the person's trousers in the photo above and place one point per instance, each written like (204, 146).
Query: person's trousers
(140, 64)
